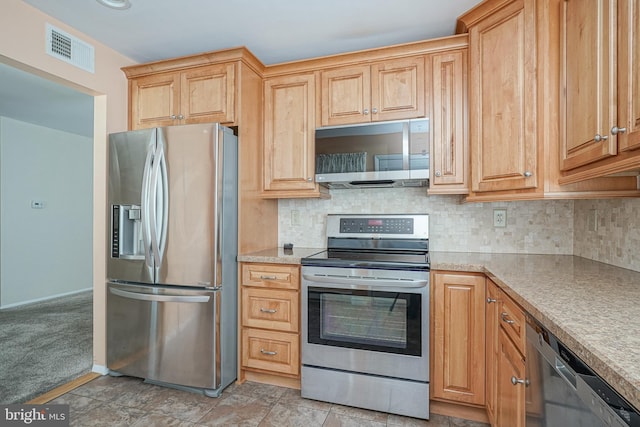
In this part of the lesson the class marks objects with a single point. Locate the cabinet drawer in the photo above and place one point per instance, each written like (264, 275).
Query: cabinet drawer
(271, 276)
(512, 320)
(271, 351)
(270, 309)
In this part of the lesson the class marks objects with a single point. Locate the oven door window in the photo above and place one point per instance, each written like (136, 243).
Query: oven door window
(369, 320)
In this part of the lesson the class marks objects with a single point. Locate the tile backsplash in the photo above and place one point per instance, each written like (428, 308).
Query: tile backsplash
(532, 226)
(608, 231)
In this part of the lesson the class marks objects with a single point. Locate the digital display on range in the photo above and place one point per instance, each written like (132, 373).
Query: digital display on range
(377, 225)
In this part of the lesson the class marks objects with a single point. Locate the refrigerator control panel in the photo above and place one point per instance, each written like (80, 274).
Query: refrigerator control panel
(126, 232)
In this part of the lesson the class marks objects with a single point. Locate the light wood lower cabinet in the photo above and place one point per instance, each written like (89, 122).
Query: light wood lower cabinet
(505, 359)
(458, 337)
(270, 323)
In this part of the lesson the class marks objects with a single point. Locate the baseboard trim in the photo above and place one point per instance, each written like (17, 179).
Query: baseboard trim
(100, 369)
(44, 299)
(63, 389)
(473, 413)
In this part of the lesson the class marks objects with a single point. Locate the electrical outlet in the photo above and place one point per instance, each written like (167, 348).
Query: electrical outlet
(499, 217)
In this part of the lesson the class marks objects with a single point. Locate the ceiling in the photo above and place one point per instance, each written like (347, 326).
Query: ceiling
(275, 31)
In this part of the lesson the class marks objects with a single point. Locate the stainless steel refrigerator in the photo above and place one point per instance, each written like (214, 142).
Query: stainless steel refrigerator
(171, 264)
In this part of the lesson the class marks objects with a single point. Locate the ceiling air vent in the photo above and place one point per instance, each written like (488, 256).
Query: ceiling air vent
(70, 49)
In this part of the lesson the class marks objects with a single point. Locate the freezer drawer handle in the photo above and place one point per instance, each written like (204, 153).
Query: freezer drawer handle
(268, 353)
(160, 298)
(268, 310)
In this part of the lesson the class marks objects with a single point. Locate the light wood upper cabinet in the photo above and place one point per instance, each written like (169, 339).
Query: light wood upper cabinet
(198, 95)
(458, 329)
(387, 90)
(502, 99)
(446, 76)
(289, 135)
(629, 74)
(601, 78)
(590, 81)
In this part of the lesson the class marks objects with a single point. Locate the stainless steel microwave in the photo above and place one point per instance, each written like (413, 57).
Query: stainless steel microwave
(382, 154)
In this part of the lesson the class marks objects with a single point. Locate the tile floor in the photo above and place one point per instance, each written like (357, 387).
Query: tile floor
(122, 401)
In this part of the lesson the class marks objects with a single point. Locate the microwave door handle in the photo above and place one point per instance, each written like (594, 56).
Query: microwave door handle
(366, 283)
(405, 146)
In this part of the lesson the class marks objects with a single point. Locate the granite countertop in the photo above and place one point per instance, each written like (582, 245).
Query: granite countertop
(594, 308)
(279, 255)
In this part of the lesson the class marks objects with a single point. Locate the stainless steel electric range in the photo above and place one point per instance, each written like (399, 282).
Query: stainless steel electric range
(365, 315)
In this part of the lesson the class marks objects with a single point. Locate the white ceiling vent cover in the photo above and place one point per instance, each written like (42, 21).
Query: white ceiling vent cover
(70, 49)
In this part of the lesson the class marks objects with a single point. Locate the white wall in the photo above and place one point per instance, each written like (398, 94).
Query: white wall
(44, 252)
(536, 227)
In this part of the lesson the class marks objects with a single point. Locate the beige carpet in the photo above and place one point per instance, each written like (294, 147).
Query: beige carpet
(44, 345)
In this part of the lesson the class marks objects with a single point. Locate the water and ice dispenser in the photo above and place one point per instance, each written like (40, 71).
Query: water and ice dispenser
(127, 241)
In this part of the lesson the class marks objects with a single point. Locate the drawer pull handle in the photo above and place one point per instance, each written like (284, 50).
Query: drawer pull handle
(265, 277)
(505, 319)
(268, 353)
(268, 310)
(490, 300)
(516, 381)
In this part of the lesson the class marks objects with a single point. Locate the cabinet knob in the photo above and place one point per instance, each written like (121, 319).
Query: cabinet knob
(173, 117)
(366, 111)
(374, 110)
(309, 179)
(616, 130)
(438, 173)
(527, 174)
(490, 300)
(599, 137)
(516, 381)
(180, 117)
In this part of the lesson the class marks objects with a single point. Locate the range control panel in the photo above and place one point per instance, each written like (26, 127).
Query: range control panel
(376, 225)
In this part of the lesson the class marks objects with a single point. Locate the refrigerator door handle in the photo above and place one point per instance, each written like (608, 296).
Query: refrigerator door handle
(156, 201)
(146, 216)
(160, 298)
(165, 202)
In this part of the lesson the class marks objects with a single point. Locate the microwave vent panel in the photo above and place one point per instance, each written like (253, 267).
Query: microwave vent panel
(71, 49)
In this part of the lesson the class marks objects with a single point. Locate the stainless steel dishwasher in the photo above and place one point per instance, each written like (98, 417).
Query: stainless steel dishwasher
(563, 391)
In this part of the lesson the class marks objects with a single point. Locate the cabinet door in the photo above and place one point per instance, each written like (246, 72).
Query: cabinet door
(629, 74)
(589, 79)
(208, 94)
(511, 397)
(346, 95)
(491, 328)
(397, 89)
(459, 338)
(289, 133)
(155, 100)
(446, 76)
(502, 112)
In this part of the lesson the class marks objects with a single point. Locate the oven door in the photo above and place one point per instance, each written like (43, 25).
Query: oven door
(366, 320)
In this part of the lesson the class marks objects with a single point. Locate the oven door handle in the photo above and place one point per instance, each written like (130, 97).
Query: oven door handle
(365, 282)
